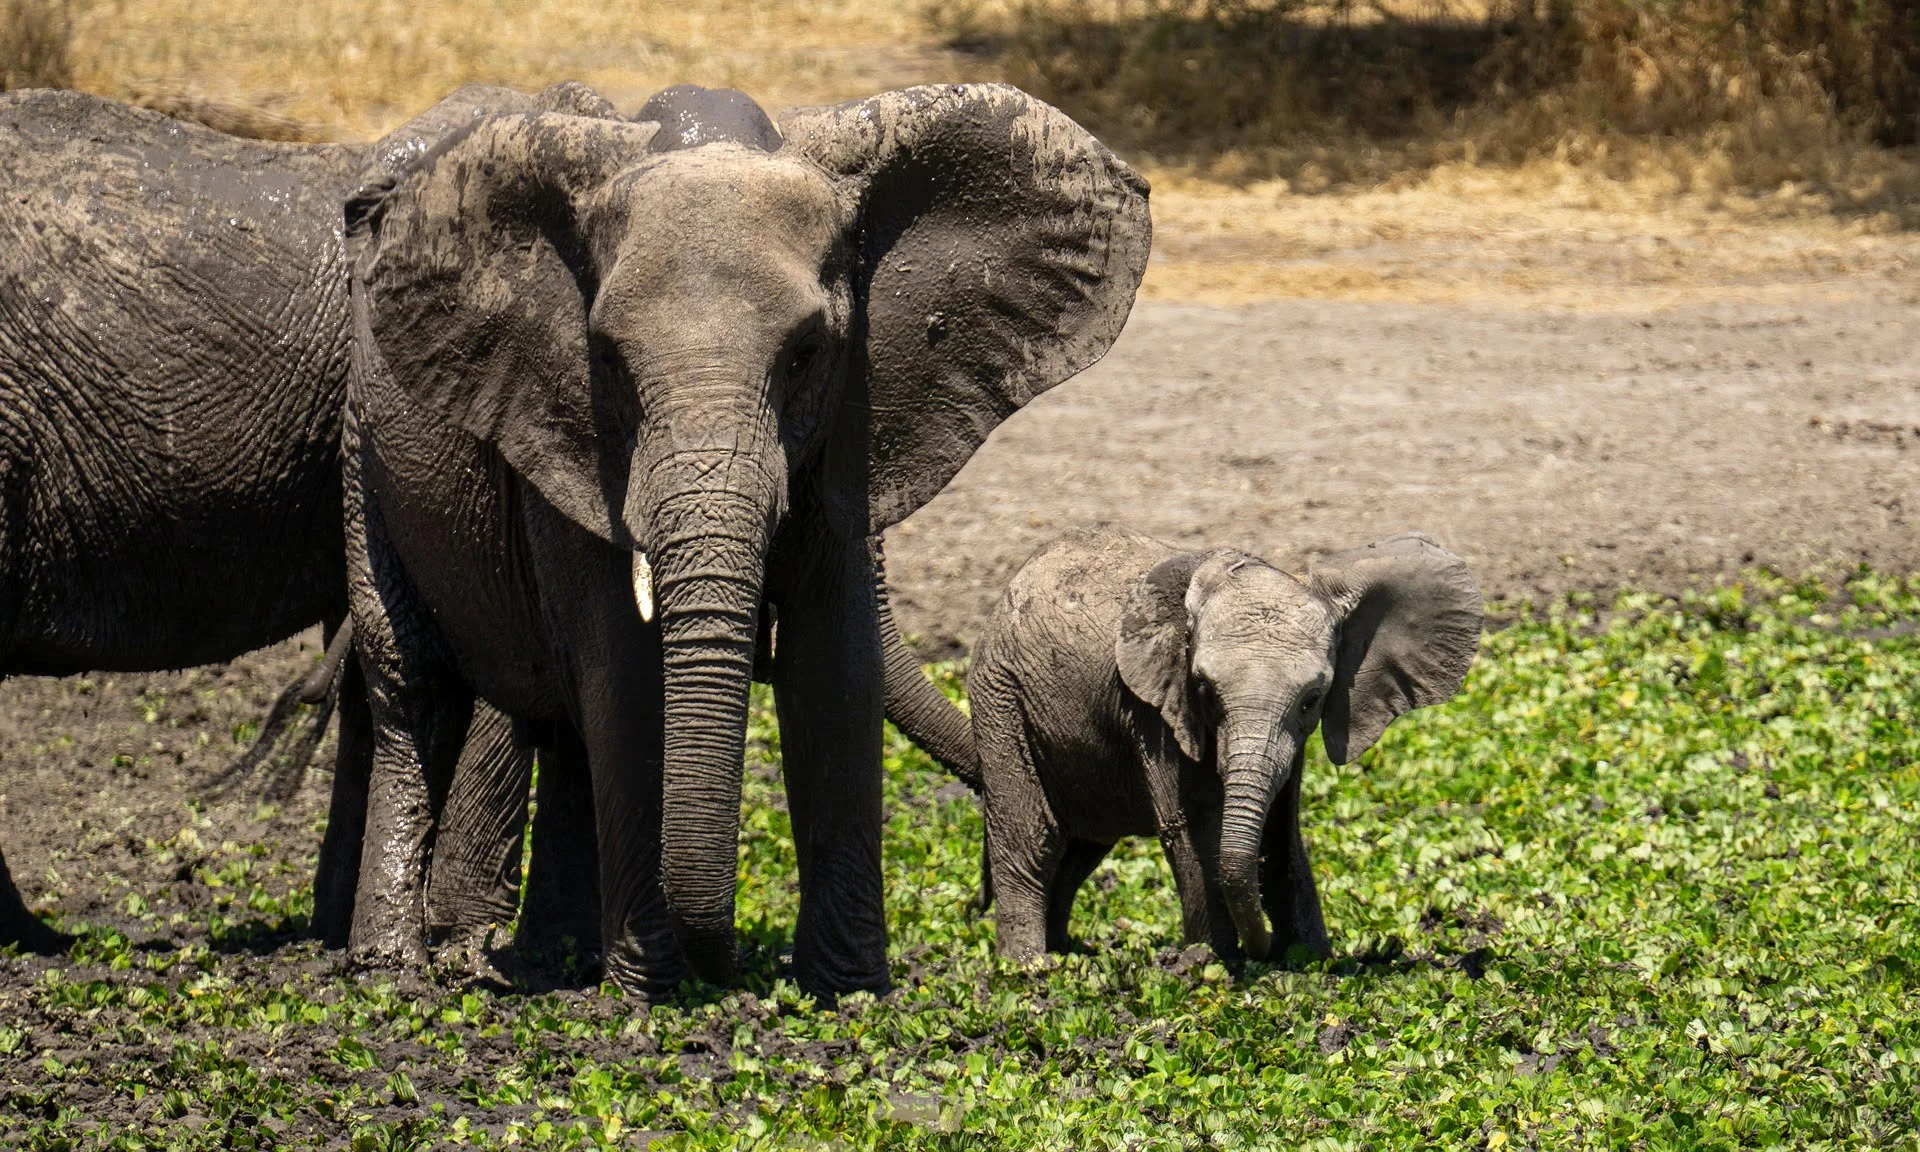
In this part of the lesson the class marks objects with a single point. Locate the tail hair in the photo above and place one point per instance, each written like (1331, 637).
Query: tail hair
(285, 769)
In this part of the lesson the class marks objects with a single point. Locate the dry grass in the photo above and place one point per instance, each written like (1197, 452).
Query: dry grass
(354, 68)
(1537, 236)
(1712, 97)
(35, 44)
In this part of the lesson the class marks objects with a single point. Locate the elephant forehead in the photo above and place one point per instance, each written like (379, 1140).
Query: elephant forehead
(1257, 600)
(723, 199)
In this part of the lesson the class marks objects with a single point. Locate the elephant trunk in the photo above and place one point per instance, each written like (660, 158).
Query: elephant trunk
(708, 534)
(1257, 762)
(915, 705)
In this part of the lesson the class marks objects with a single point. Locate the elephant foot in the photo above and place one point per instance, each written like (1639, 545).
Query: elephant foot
(652, 968)
(31, 934)
(466, 960)
(390, 952)
(1031, 963)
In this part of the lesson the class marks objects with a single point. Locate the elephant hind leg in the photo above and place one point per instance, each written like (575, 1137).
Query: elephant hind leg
(417, 744)
(982, 901)
(337, 877)
(562, 910)
(1024, 844)
(473, 884)
(20, 927)
(1076, 864)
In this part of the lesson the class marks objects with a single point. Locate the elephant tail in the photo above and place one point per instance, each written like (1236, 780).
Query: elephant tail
(916, 705)
(319, 690)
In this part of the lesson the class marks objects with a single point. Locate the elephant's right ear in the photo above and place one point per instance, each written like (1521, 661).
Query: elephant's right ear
(472, 280)
(1155, 647)
(1000, 247)
(1410, 625)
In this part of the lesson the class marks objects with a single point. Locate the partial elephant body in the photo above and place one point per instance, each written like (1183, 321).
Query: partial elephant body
(1127, 687)
(173, 356)
(173, 366)
(616, 389)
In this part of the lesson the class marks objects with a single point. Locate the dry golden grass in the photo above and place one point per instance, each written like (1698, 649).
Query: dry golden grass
(1705, 95)
(35, 44)
(354, 68)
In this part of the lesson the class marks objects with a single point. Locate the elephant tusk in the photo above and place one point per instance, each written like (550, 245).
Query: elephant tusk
(643, 586)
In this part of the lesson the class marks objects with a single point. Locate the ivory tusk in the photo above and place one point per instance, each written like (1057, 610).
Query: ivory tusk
(643, 586)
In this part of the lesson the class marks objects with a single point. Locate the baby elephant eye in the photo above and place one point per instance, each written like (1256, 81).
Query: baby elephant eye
(1311, 700)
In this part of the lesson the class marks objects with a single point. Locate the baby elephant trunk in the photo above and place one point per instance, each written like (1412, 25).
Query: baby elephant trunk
(1257, 764)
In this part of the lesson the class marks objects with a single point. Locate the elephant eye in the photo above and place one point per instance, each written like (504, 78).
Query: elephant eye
(1311, 700)
(801, 359)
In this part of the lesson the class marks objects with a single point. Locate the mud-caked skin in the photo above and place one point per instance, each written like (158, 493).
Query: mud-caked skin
(173, 364)
(1128, 687)
(607, 401)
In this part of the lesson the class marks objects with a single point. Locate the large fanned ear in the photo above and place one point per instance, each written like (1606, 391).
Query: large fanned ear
(472, 280)
(1410, 626)
(1155, 647)
(1001, 246)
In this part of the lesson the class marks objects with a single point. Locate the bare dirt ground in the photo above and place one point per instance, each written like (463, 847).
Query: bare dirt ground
(1522, 410)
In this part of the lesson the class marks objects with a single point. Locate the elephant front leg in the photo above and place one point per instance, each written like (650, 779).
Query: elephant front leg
(1286, 881)
(827, 685)
(1187, 801)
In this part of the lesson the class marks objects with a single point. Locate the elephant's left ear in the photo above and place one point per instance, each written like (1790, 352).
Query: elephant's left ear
(1410, 627)
(1001, 246)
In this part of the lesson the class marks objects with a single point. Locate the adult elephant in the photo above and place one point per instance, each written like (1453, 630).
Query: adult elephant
(173, 368)
(615, 387)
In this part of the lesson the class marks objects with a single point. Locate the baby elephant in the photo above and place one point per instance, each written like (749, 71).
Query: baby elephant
(1126, 687)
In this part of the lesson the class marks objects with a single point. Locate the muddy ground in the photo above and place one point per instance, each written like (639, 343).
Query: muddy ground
(1554, 451)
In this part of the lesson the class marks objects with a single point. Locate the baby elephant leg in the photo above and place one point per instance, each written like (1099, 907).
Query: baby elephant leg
(20, 927)
(1286, 881)
(1024, 845)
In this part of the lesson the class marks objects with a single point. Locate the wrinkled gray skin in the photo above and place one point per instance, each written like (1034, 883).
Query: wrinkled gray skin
(1127, 687)
(173, 364)
(579, 360)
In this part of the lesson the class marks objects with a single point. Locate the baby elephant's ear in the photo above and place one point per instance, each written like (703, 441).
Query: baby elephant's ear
(1155, 646)
(1410, 627)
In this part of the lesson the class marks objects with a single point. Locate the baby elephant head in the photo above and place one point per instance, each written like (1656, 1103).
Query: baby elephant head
(1243, 661)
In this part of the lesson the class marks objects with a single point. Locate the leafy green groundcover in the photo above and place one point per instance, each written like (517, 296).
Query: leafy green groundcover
(1649, 882)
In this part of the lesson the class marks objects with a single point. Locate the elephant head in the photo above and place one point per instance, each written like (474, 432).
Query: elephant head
(662, 328)
(1243, 661)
